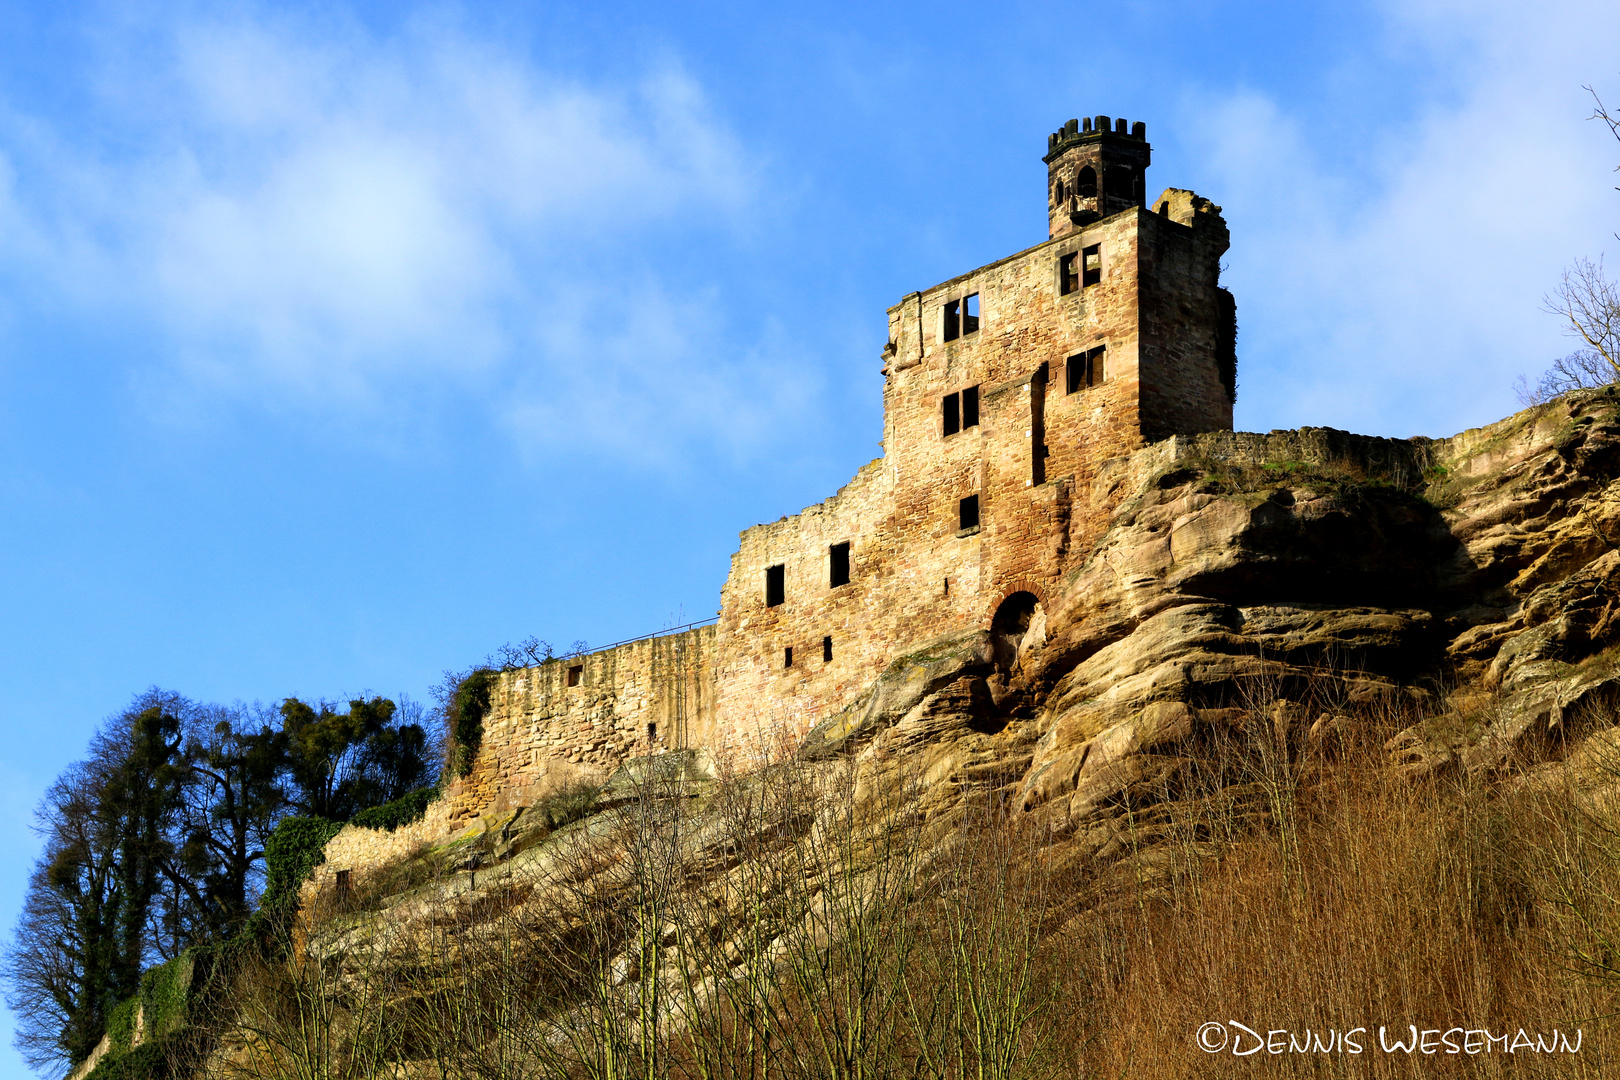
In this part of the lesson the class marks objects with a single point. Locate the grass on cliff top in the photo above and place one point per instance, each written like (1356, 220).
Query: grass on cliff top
(1240, 479)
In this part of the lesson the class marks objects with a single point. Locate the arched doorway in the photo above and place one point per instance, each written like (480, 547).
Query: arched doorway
(1018, 626)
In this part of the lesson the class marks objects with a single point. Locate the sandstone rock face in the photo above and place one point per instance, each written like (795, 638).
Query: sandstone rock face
(1274, 591)
(1256, 606)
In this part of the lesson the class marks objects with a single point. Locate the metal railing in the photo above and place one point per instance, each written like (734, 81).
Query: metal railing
(657, 633)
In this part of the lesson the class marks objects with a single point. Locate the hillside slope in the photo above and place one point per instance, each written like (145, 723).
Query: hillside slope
(1266, 615)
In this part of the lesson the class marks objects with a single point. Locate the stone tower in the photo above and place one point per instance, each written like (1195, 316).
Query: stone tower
(1094, 169)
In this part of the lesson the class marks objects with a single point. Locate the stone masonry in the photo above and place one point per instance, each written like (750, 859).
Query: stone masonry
(1006, 389)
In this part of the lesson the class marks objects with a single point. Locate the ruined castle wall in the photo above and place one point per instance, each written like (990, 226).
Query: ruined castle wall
(763, 704)
(1180, 273)
(546, 729)
(916, 573)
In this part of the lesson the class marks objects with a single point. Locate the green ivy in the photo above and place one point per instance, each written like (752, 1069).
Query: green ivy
(152, 1060)
(468, 707)
(163, 996)
(402, 811)
(121, 1026)
(291, 854)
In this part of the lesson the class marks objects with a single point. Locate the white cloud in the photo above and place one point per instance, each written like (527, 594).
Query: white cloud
(1401, 289)
(314, 215)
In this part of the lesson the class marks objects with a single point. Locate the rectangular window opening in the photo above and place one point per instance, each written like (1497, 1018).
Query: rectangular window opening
(787, 657)
(970, 407)
(826, 649)
(574, 674)
(838, 564)
(1068, 279)
(953, 319)
(652, 733)
(952, 410)
(345, 882)
(1091, 268)
(967, 513)
(1084, 369)
(775, 584)
(970, 313)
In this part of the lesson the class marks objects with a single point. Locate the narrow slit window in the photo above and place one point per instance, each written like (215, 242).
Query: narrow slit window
(1091, 267)
(970, 407)
(574, 674)
(652, 733)
(787, 657)
(826, 649)
(838, 564)
(953, 319)
(970, 314)
(967, 513)
(775, 584)
(1068, 276)
(952, 414)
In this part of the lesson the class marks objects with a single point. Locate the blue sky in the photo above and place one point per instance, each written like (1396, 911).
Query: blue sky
(341, 344)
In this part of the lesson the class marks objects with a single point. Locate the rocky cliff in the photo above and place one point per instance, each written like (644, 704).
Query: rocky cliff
(1261, 606)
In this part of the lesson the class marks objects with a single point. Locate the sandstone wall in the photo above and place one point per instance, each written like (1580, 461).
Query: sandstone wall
(547, 728)
(1181, 262)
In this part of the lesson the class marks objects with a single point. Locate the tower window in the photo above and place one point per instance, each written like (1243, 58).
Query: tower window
(1059, 193)
(1086, 183)
(574, 674)
(967, 513)
(1068, 274)
(1084, 369)
(970, 407)
(826, 649)
(787, 657)
(970, 313)
(775, 584)
(838, 564)
(1091, 266)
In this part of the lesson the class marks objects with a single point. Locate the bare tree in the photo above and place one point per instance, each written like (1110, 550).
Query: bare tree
(1589, 304)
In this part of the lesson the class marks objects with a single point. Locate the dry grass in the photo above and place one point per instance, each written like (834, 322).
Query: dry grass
(793, 937)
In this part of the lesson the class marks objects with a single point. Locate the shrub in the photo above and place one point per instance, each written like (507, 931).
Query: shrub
(402, 811)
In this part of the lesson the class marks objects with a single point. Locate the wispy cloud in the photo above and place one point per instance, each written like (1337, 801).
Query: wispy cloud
(1396, 284)
(318, 217)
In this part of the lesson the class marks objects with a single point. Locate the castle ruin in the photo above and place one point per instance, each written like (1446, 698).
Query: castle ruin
(1005, 390)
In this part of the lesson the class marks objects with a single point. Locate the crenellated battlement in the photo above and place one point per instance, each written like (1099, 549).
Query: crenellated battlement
(1076, 131)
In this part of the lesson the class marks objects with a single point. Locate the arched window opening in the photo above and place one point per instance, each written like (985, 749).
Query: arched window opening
(1086, 183)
